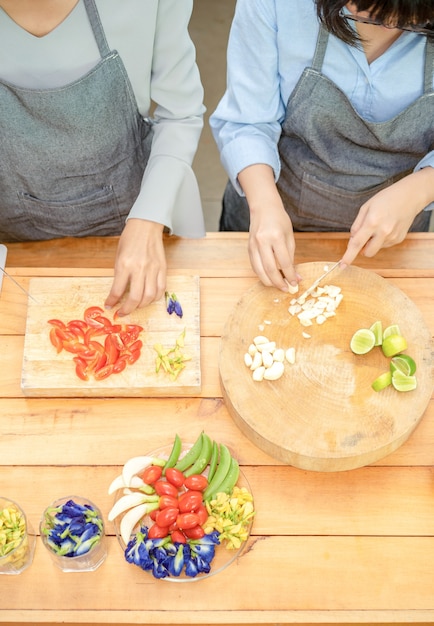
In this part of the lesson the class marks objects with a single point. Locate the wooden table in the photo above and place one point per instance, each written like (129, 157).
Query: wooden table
(347, 547)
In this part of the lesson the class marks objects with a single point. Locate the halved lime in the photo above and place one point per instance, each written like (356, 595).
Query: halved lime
(393, 329)
(384, 380)
(377, 329)
(362, 341)
(393, 345)
(404, 363)
(402, 382)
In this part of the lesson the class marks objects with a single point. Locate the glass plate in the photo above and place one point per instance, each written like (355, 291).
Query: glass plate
(223, 556)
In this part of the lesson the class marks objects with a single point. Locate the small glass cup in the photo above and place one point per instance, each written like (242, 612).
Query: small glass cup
(20, 556)
(87, 562)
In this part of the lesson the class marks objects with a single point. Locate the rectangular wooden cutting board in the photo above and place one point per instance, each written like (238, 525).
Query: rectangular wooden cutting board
(48, 374)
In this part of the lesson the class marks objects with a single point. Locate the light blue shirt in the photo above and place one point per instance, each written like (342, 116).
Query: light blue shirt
(270, 44)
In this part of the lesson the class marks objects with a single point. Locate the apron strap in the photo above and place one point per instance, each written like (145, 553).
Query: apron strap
(429, 65)
(98, 31)
(320, 50)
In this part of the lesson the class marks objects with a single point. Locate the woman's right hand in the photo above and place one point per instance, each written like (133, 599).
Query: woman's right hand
(271, 238)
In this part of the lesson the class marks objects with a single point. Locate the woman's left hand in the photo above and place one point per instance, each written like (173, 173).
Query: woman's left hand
(140, 266)
(386, 218)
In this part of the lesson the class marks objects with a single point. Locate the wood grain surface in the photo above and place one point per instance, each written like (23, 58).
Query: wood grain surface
(48, 374)
(323, 415)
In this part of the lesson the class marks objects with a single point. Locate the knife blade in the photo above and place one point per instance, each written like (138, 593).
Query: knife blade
(17, 284)
(315, 284)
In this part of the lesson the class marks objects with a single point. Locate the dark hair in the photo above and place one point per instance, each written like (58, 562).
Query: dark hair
(400, 11)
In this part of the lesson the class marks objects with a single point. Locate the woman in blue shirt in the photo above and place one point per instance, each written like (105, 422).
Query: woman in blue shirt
(327, 124)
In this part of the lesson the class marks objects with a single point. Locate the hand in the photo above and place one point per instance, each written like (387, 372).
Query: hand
(140, 264)
(386, 218)
(271, 239)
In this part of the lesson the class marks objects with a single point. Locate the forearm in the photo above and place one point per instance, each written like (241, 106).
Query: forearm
(257, 182)
(422, 185)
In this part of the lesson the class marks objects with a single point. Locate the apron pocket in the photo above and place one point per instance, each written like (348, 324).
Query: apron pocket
(95, 214)
(326, 207)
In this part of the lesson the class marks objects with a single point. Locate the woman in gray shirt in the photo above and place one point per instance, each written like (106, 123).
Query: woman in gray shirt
(80, 155)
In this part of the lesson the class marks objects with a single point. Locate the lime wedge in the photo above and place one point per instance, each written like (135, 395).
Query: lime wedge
(362, 341)
(404, 363)
(393, 345)
(402, 382)
(377, 329)
(393, 329)
(384, 380)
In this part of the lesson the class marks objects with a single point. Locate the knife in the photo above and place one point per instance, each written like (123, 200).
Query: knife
(3, 252)
(315, 284)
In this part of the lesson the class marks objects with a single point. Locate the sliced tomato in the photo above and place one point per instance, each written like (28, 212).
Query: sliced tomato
(90, 315)
(80, 369)
(120, 365)
(103, 372)
(132, 358)
(58, 323)
(56, 340)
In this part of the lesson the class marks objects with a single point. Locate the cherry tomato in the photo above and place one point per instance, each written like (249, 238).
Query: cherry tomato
(167, 501)
(197, 532)
(157, 532)
(196, 482)
(190, 501)
(186, 521)
(175, 477)
(151, 474)
(166, 517)
(153, 514)
(164, 488)
(202, 514)
(178, 537)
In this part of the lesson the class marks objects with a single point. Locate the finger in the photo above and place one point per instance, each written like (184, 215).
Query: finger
(355, 245)
(118, 288)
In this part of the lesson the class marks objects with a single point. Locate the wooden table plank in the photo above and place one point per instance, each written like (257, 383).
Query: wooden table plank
(364, 502)
(224, 251)
(310, 569)
(45, 432)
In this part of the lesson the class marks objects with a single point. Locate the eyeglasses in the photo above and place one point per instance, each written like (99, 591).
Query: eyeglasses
(421, 29)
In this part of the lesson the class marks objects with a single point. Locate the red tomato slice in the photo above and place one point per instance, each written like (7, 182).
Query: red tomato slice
(103, 372)
(56, 341)
(57, 323)
(90, 315)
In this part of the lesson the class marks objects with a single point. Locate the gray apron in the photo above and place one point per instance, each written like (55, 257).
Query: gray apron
(332, 160)
(72, 158)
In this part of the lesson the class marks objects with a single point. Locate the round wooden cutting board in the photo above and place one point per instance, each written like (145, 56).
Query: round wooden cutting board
(322, 414)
